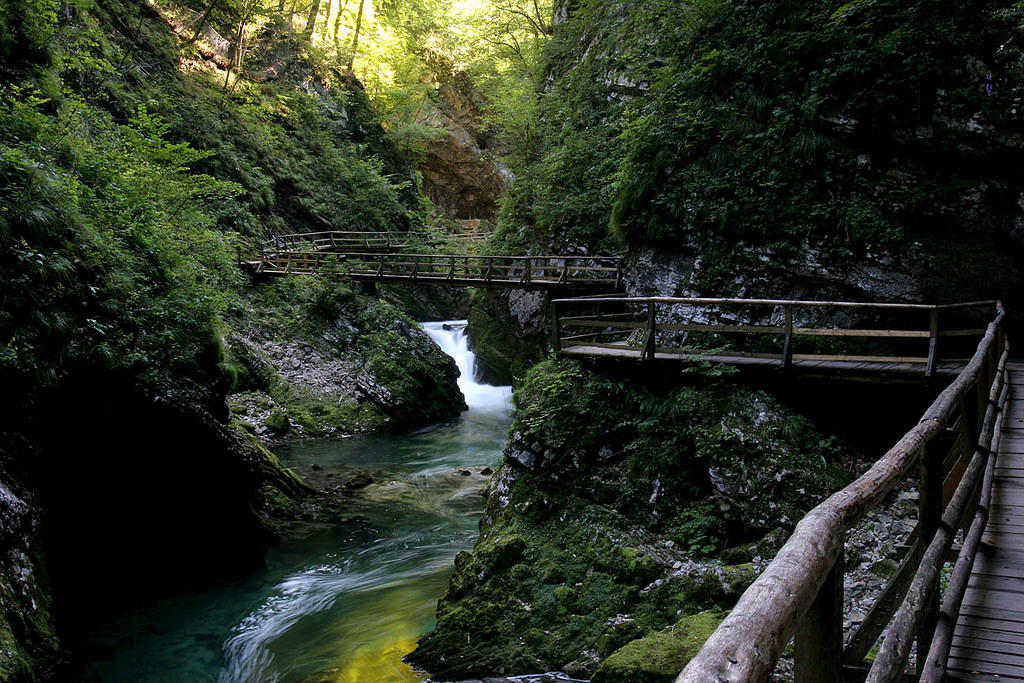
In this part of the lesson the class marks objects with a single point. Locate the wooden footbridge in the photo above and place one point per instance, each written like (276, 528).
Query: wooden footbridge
(772, 333)
(378, 258)
(954, 609)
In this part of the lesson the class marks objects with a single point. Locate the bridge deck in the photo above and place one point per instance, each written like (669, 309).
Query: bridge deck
(946, 368)
(988, 643)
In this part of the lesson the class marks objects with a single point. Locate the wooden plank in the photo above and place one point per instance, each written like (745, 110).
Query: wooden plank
(839, 332)
(749, 329)
(852, 358)
(955, 676)
(606, 323)
(984, 607)
(961, 333)
(989, 652)
(1012, 586)
(989, 622)
(991, 635)
(1011, 671)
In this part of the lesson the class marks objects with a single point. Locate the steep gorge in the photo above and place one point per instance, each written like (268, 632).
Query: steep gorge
(733, 149)
(846, 151)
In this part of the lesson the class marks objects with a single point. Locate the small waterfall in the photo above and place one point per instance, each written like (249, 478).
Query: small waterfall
(451, 336)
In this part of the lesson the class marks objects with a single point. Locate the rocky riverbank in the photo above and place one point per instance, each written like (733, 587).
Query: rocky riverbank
(323, 361)
(611, 547)
(653, 513)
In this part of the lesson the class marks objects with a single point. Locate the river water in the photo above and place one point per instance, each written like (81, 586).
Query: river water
(349, 601)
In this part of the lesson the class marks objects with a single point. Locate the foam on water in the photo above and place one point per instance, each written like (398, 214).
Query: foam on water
(451, 337)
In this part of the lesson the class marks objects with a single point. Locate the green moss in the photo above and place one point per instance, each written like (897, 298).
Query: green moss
(884, 568)
(591, 506)
(658, 658)
(278, 422)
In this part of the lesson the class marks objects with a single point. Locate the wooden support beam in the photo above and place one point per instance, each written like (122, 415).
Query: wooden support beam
(818, 643)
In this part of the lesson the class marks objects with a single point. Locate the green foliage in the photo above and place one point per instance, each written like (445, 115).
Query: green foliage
(713, 127)
(126, 184)
(108, 257)
(656, 442)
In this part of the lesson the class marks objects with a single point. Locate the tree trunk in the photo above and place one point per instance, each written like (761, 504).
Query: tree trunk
(311, 21)
(355, 39)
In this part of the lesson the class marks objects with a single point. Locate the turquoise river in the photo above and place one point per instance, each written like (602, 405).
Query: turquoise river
(349, 601)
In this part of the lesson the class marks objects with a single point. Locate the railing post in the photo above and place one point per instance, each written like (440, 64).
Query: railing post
(818, 643)
(933, 342)
(556, 328)
(527, 270)
(787, 345)
(451, 269)
(652, 328)
(564, 277)
(929, 517)
(618, 274)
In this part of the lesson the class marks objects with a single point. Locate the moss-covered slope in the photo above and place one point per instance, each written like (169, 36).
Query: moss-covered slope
(128, 176)
(611, 512)
(802, 138)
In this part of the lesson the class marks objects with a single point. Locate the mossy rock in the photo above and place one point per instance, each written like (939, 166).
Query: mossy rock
(658, 658)
(278, 422)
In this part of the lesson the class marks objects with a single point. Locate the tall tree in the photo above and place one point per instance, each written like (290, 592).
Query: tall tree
(355, 38)
(311, 21)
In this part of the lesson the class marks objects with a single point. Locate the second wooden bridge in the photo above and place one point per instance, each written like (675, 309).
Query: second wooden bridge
(842, 336)
(382, 257)
(562, 273)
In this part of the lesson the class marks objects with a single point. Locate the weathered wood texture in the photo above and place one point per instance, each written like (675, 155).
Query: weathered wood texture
(982, 619)
(462, 270)
(749, 641)
(663, 328)
(338, 240)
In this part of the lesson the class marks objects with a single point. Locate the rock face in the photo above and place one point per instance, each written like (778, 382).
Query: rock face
(133, 478)
(732, 159)
(508, 333)
(602, 530)
(28, 640)
(348, 364)
(460, 169)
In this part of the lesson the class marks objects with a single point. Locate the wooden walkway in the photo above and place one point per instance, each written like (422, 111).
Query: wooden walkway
(988, 642)
(596, 274)
(865, 338)
(864, 365)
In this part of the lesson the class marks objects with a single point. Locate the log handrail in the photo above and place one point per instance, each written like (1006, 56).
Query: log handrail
(806, 572)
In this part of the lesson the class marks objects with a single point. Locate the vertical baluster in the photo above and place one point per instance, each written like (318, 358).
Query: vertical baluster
(556, 328)
(787, 344)
(933, 342)
(929, 516)
(818, 643)
(652, 328)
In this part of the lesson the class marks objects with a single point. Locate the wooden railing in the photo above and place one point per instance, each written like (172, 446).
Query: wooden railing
(531, 272)
(343, 241)
(648, 326)
(799, 596)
